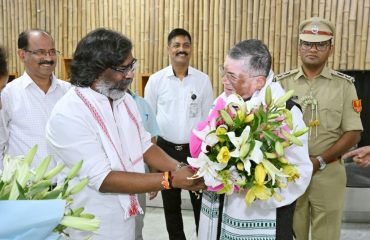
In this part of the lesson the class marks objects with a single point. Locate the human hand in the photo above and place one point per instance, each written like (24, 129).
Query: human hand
(315, 165)
(152, 195)
(182, 179)
(361, 156)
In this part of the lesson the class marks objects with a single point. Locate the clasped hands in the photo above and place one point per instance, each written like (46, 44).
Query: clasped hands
(182, 178)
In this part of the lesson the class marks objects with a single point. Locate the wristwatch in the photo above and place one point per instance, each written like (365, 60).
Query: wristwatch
(322, 162)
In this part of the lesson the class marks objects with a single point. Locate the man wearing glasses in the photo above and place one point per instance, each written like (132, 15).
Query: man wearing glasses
(332, 111)
(181, 96)
(28, 100)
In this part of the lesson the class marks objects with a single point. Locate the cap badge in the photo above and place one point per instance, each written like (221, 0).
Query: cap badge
(315, 29)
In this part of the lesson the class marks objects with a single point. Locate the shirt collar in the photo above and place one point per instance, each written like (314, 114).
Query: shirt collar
(326, 73)
(170, 71)
(27, 81)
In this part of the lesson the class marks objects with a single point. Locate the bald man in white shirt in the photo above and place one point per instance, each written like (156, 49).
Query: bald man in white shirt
(28, 100)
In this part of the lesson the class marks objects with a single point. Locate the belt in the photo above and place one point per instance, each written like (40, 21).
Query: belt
(177, 147)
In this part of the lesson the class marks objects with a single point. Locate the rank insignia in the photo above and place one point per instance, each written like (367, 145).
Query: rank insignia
(357, 106)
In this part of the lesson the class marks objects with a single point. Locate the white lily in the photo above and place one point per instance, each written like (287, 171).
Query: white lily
(272, 170)
(255, 155)
(207, 169)
(234, 177)
(10, 166)
(252, 104)
(235, 99)
(238, 142)
(22, 175)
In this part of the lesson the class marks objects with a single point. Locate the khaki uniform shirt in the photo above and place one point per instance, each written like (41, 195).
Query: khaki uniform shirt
(334, 92)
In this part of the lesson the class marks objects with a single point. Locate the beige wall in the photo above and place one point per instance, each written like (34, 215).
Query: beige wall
(215, 25)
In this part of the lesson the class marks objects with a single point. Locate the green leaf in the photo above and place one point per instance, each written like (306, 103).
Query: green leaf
(21, 191)
(38, 188)
(2, 184)
(53, 194)
(271, 135)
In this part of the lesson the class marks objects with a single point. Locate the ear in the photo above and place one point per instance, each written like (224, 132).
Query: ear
(261, 81)
(21, 54)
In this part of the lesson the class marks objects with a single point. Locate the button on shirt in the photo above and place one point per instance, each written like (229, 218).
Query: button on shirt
(179, 104)
(26, 109)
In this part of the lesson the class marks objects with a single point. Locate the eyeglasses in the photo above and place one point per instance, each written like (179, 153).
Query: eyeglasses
(320, 46)
(42, 52)
(232, 77)
(126, 69)
(229, 76)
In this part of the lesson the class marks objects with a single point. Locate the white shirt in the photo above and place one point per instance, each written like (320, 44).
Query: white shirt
(26, 109)
(171, 100)
(82, 137)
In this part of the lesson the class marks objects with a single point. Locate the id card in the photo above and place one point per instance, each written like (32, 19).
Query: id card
(193, 109)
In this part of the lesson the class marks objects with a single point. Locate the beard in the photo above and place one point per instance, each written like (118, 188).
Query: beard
(113, 90)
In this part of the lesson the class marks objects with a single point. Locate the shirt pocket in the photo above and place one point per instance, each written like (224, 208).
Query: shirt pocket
(331, 116)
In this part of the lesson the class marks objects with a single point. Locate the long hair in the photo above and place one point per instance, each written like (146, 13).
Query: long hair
(96, 52)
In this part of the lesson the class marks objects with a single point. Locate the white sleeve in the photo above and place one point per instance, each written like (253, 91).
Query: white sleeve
(150, 94)
(299, 157)
(72, 138)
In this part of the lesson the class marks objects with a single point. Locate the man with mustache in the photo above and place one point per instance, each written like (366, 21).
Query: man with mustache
(181, 96)
(332, 111)
(99, 122)
(28, 100)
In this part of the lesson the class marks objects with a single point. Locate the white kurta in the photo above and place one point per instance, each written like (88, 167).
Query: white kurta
(240, 222)
(74, 133)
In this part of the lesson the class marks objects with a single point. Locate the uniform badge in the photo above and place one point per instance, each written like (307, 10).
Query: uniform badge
(357, 106)
(315, 29)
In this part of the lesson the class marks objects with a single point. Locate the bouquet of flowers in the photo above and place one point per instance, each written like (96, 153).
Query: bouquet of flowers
(25, 187)
(241, 147)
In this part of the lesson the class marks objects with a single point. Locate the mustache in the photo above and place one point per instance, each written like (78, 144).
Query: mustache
(47, 62)
(181, 53)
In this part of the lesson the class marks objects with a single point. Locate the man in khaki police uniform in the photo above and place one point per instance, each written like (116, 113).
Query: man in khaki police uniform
(331, 109)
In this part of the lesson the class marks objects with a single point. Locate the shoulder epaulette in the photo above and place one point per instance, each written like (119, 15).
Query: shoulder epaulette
(285, 74)
(342, 75)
